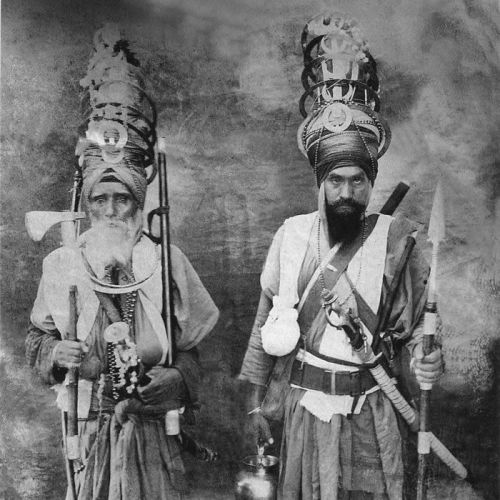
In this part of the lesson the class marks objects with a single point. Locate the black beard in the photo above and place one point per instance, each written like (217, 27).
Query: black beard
(344, 218)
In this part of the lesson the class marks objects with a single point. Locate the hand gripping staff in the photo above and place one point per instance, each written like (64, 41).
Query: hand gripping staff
(37, 224)
(386, 382)
(388, 385)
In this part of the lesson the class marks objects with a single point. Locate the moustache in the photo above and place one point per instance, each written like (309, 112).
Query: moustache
(347, 205)
(110, 243)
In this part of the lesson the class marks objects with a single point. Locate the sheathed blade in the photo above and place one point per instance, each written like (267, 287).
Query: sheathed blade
(436, 223)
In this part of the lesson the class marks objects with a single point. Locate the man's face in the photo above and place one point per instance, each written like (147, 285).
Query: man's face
(347, 193)
(111, 202)
(347, 183)
(116, 221)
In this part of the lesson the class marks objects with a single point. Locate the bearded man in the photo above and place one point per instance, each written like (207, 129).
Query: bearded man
(114, 251)
(125, 388)
(327, 275)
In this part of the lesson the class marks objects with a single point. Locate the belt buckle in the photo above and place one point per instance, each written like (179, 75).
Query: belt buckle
(343, 382)
(328, 382)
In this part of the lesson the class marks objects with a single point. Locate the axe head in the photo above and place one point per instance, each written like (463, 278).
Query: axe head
(38, 223)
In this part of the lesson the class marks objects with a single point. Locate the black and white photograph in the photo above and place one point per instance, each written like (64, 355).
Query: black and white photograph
(250, 249)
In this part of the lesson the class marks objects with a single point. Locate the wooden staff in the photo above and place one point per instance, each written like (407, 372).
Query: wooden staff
(71, 436)
(435, 235)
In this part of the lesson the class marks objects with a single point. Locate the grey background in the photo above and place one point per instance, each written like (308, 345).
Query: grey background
(225, 76)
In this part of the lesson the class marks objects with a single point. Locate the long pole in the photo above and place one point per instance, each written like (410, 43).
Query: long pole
(435, 235)
(71, 437)
(424, 435)
(166, 261)
(172, 416)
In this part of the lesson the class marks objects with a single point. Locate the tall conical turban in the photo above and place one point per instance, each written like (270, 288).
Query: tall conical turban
(342, 126)
(118, 132)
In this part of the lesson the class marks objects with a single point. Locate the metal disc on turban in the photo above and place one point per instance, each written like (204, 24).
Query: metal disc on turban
(337, 117)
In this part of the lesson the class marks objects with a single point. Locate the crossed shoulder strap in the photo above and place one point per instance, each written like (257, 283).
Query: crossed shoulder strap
(337, 263)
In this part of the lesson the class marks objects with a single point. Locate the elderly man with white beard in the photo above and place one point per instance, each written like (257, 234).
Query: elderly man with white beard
(124, 449)
(121, 438)
(131, 380)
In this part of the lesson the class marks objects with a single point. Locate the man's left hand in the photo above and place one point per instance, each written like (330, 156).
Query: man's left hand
(427, 369)
(165, 384)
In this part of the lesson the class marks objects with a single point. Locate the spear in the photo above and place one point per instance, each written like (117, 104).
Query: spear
(435, 236)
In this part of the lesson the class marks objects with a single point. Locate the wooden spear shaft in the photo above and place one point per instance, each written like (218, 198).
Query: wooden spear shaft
(436, 234)
(424, 434)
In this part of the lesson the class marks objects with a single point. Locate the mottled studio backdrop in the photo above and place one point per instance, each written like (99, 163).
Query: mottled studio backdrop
(225, 76)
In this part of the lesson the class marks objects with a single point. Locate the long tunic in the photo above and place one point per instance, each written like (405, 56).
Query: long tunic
(123, 456)
(364, 451)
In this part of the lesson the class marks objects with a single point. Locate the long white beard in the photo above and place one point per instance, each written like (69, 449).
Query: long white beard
(111, 244)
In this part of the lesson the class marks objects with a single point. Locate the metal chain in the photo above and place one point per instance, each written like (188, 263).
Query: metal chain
(127, 314)
(325, 292)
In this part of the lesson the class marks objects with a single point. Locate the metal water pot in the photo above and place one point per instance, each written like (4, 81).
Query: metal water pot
(258, 478)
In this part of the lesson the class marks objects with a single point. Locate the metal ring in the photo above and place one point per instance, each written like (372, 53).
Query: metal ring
(96, 132)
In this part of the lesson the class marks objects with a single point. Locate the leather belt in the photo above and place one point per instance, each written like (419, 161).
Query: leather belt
(341, 383)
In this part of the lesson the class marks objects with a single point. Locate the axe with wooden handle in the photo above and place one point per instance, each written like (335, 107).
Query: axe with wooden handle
(38, 223)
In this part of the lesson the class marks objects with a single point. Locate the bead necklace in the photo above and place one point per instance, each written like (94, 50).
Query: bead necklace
(329, 298)
(123, 362)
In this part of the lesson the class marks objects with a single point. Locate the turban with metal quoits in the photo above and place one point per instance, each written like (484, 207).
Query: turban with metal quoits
(118, 133)
(342, 125)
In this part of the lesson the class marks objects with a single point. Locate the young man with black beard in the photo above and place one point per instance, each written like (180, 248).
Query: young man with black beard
(347, 191)
(341, 437)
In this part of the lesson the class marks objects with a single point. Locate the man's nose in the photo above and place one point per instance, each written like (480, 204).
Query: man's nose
(109, 209)
(346, 190)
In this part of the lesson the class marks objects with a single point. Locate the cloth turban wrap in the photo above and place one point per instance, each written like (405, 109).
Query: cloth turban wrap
(361, 141)
(331, 150)
(134, 177)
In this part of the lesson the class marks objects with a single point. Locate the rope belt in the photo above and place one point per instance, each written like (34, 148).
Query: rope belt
(341, 383)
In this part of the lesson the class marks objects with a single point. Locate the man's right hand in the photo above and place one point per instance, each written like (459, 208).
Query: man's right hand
(258, 426)
(260, 429)
(68, 353)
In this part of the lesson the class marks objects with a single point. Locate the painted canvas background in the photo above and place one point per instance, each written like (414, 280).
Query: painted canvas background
(225, 76)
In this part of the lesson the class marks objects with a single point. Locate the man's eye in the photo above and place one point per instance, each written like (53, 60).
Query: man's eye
(122, 199)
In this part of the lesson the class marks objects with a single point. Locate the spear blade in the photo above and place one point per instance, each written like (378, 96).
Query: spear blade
(436, 222)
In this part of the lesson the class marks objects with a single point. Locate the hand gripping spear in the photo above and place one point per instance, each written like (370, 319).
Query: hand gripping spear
(379, 373)
(435, 236)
